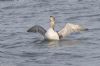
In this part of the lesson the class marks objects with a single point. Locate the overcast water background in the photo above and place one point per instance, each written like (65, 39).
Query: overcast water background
(20, 48)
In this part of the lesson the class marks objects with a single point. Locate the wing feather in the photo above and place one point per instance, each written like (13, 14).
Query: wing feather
(37, 28)
(69, 28)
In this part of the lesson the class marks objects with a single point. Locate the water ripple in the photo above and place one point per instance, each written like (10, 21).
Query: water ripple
(6, 0)
(75, 17)
(20, 48)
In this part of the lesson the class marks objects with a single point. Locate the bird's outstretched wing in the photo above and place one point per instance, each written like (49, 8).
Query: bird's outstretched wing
(69, 28)
(37, 28)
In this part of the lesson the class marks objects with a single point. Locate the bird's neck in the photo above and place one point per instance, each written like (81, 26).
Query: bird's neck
(52, 24)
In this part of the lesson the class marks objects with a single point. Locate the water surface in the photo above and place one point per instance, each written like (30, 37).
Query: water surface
(20, 48)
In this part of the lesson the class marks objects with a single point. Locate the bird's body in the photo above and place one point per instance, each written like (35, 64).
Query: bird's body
(50, 34)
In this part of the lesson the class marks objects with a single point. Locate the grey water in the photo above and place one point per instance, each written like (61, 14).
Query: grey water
(20, 48)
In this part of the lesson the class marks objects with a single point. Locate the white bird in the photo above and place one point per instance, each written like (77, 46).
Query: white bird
(50, 34)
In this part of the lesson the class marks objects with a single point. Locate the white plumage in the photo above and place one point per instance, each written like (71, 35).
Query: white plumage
(51, 34)
(69, 28)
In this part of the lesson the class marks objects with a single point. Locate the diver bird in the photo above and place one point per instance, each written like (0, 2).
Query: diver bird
(51, 34)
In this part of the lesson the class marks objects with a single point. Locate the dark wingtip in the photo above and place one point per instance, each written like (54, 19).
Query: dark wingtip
(32, 29)
(28, 31)
(86, 29)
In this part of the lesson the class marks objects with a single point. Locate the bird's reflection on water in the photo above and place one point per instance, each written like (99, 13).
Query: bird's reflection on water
(67, 43)
(60, 43)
